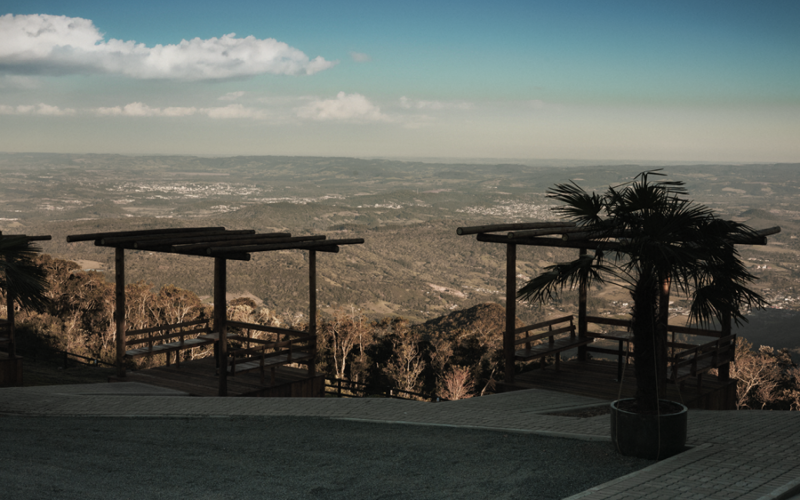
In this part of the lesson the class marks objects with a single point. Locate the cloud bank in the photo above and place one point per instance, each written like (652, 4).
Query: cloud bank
(38, 109)
(45, 44)
(139, 109)
(345, 107)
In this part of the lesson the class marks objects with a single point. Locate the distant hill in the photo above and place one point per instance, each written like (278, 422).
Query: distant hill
(757, 213)
(487, 319)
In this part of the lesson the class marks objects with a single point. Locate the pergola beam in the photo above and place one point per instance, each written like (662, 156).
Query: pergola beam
(492, 228)
(285, 246)
(99, 236)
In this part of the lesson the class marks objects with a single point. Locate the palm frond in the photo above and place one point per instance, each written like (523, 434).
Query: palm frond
(20, 274)
(579, 206)
(555, 278)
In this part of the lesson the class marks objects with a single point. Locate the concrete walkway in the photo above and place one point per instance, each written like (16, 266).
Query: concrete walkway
(735, 454)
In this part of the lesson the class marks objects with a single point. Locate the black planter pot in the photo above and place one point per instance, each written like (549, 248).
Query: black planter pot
(653, 437)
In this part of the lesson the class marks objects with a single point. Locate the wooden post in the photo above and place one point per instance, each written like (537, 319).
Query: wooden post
(220, 319)
(663, 302)
(312, 309)
(10, 316)
(662, 329)
(511, 310)
(119, 313)
(582, 323)
(724, 371)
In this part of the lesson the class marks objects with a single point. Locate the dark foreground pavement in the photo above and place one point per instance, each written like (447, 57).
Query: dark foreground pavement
(290, 458)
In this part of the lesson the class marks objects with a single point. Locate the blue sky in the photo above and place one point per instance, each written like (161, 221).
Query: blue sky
(627, 80)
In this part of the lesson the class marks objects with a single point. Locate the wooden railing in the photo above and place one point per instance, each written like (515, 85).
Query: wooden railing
(559, 339)
(284, 347)
(344, 388)
(697, 360)
(685, 359)
(169, 338)
(550, 333)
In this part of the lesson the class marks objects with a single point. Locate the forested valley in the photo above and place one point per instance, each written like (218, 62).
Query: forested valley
(416, 305)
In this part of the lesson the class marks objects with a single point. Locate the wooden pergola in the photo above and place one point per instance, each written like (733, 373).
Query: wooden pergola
(12, 371)
(716, 354)
(221, 245)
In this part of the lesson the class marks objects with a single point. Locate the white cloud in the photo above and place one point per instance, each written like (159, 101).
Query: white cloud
(345, 107)
(407, 103)
(38, 109)
(232, 96)
(235, 111)
(45, 44)
(360, 57)
(140, 109)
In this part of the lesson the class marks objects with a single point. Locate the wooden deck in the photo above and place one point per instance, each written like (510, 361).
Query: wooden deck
(199, 378)
(598, 379)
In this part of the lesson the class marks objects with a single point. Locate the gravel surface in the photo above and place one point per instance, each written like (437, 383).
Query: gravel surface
(290, 458)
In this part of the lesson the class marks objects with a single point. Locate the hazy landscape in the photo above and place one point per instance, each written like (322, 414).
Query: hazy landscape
(413, 264)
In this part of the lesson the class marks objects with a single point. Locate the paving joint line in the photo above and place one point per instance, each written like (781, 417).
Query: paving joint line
(539, 432)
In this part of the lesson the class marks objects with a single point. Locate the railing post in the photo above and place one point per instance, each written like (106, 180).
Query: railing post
(12, 341)
(511, 310)
(220, 318)
(582, 323)
(312, 310)
(119, 316)
(724, 371)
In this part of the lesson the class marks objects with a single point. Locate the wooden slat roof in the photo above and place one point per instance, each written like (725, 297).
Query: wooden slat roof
(212, 241)
(26, 237)
(568, 235)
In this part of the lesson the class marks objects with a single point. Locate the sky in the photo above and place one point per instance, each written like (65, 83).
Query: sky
(695, 80)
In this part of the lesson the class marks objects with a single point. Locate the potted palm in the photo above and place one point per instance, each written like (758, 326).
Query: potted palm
(652, 238)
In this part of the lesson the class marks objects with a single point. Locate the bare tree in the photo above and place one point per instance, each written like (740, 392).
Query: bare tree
(457, 384)
(765, 377)
(406, 365)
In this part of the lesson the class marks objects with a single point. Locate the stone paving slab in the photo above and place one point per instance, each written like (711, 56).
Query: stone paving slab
(744, 454)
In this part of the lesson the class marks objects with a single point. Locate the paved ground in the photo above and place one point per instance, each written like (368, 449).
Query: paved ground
(746, 454)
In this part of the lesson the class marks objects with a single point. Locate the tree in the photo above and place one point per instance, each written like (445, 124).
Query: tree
(767, 379)
(651, 237)
(22, 280)
(20, 275)
(457, 384)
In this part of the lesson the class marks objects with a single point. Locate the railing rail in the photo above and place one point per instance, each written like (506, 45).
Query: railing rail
(339, 387)
(698, 357)
(264, 328)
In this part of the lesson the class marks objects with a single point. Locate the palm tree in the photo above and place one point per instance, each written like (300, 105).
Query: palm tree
(650, 238)
(22, 280)
(20, 275)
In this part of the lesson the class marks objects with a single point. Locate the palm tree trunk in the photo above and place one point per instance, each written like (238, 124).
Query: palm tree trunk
(649, 344)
